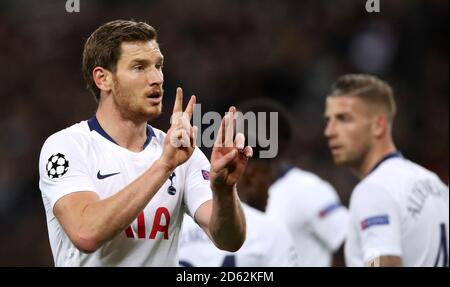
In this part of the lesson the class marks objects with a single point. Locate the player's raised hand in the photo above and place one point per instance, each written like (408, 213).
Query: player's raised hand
(229, 157)
(179, 143)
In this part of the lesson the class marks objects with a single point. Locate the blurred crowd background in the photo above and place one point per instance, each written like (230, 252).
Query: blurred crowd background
(223, 51)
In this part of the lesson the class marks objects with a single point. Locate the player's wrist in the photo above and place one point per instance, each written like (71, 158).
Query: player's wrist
(223, 189)
(164, 165)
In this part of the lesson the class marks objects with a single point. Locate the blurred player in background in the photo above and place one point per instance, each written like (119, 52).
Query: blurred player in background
(268, 243)
(306, 204)
(400, 210)
(114, 188)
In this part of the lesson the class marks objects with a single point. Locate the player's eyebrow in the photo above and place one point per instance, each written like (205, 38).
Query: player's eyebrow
(141, 61)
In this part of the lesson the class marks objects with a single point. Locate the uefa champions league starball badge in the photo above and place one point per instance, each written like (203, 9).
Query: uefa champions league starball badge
(57, 166)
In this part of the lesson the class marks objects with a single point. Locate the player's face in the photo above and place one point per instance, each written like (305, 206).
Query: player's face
(138, 80)
(255, 182)
(348, 129)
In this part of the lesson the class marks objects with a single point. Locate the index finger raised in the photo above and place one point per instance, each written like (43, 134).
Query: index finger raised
(178, 105)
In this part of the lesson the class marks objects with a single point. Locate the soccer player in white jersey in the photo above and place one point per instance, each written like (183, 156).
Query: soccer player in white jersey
(399, 211)
(114, 188)
(268, 242)
(306, 204)
(312, 210)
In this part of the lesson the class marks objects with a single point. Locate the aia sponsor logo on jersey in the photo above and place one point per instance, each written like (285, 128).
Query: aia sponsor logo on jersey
(160, 224)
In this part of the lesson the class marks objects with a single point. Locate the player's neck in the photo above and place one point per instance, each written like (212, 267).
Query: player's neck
(126, 133)
(373, 157)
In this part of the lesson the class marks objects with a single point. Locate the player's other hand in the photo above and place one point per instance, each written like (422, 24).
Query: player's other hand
(179, 143)
(229, 157)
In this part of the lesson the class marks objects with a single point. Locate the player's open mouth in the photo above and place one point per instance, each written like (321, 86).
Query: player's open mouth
(154, 97)
(335, 148)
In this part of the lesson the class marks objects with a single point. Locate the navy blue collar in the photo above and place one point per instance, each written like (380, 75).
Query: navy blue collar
(388, 156)
(94, 125)
(283, 171)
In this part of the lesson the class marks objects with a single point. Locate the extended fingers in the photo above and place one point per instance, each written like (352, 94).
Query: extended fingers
(239, 141)
(181, 120)
(229, 130)
(220, 135)
(190, 107)
(225, 135)
(178, 105)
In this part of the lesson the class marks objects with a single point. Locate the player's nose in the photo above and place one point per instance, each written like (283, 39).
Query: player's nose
(330, 130)
(155, 77)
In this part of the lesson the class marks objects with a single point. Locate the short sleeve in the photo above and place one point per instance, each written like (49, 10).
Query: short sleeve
(197, 189)
(330, 219)
(63, 167)
(377, 217)
(330, 224)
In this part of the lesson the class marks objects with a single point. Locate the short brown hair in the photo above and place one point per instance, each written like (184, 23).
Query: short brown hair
(369, 88)
(102, 48)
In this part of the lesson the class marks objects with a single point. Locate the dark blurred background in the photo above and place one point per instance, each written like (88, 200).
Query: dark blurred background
(224, 51)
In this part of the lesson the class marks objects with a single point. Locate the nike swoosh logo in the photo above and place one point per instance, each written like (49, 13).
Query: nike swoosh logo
(103, 176)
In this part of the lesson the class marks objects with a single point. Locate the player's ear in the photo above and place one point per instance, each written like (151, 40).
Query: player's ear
(379, 125)
(103, 79)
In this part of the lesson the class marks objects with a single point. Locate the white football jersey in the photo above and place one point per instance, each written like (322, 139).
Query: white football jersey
(84, 158)
(267, 244)
(312, 211)
(399, 209)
